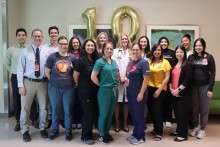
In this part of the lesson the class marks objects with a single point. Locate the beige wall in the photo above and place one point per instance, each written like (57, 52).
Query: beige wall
(1, 72)
(32, 14)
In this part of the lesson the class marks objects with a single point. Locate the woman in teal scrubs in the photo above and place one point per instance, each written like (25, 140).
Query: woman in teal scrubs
(104, 74)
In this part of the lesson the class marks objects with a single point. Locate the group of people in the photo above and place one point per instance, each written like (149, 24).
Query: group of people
(85, 84)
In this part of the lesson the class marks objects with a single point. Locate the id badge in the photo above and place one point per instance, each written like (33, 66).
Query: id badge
(159, 65)
(37, 67)
(127, 82)
(204, 62)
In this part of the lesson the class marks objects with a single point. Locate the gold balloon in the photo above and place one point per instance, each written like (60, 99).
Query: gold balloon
(117, 17)
(90, 16)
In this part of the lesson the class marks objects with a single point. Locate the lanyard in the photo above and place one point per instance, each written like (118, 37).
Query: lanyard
(130, 69)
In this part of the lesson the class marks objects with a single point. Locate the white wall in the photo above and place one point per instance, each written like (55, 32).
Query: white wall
(42, 14)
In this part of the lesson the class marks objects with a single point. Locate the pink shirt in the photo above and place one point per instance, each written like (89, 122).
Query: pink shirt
(175, 77)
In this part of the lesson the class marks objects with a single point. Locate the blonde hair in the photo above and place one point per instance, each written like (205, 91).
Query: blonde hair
(120, 39)
(99, 46)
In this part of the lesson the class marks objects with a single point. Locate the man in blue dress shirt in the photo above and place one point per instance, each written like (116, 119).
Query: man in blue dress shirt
(31, 82)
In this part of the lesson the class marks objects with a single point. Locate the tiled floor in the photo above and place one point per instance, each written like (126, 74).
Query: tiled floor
(9, 138)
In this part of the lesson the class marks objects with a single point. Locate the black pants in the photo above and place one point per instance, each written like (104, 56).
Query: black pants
(90, 113)
(167, 106)
(77, 110)
(155, 107)
(17, 101)
(181, 111)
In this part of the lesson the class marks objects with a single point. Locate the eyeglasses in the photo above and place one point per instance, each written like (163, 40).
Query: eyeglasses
(37, 37)
(63, 44)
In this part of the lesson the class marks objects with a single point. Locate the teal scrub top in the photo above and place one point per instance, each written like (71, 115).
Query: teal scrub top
(107, 72)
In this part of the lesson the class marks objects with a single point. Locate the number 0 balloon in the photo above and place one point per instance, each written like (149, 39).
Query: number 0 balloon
(117, 17)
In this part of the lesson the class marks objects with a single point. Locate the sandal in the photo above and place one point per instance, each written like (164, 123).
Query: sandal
(157, 138)
(152, 133)
(117, 130)
(126, 130)
(179, 139)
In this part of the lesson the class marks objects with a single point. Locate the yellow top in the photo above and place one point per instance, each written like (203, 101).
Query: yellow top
(157, 73)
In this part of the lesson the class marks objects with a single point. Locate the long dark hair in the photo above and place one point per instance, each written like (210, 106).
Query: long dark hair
(161, 38)
(195, 54)
(184, 58)
(155, 46)
(147, 48)
(70, 46)
(83, 53)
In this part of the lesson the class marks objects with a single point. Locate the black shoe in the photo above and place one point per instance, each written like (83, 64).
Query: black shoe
(103, 139)
(109, 137)
(53, 135)
(26, 137)
(69, 136)
(173, 134)
(17, 127)
(49, 124)
(35, 124)
(44, 134)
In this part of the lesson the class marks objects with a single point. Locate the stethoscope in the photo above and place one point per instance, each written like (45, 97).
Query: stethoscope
(120, 53)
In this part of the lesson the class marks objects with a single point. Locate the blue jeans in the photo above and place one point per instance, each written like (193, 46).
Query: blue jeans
(59, 97)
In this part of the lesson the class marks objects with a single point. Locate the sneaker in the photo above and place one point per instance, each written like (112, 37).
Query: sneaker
(134, 141)
(79, 126)
(194, 132)
(88, 141)
(168, 124)
(73, 126)
(17, 127)
(103, 139)
(130, 138)
(109, 137)
(44, 134)
(26, 137)
(53, 135)
(35, 124)
(201, 134)
(69, 136)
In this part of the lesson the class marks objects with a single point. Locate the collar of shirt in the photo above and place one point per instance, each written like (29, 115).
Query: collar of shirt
(50, 45)
(35, 47)
(20, 46)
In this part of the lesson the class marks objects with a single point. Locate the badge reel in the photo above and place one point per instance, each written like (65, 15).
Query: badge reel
(204, 62)
(127, 82)
(37, 67)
